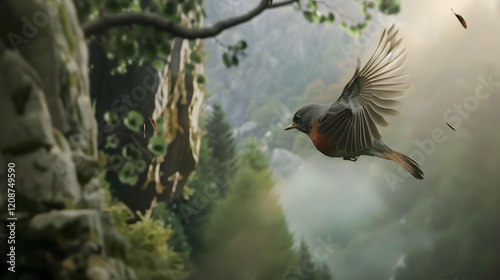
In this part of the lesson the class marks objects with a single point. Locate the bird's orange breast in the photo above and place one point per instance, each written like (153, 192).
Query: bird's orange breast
(320, 141)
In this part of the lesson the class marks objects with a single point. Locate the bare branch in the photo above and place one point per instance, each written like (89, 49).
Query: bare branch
(155, 21)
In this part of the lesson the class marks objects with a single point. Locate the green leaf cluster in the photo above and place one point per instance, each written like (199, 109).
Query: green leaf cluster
(234, 53)
(128, 160)
(137, 44)
(389, 7)
(149, 240)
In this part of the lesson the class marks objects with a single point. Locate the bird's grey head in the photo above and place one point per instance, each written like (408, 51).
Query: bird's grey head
(305, 117)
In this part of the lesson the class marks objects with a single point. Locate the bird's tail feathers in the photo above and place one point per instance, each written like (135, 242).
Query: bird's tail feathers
(406, 162)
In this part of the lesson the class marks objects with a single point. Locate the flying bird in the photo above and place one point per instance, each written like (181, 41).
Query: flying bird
(349, 127)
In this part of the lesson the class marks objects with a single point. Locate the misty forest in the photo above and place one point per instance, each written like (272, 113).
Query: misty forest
(144, 139)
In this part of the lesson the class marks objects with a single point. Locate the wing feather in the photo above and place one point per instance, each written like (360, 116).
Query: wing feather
(352, 122)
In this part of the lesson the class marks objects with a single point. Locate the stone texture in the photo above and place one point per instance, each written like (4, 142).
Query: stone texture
(26, 118)
(49, 132)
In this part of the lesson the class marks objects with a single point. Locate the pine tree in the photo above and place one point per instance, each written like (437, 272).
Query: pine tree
(178, 241)
(252, 156)
(222, 143)
(248, 237)
(213, 172)
(305, 263)
(325, 273)
(306, 267)
(194, 221)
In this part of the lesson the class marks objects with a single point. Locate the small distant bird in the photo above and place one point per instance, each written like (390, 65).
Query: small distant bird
(348, 128)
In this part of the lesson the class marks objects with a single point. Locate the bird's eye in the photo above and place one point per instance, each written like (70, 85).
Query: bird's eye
(297, 118)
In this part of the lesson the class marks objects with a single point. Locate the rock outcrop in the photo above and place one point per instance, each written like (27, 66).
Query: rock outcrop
(48, 132)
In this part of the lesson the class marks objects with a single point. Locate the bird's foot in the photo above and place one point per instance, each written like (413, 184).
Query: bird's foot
(353, 159)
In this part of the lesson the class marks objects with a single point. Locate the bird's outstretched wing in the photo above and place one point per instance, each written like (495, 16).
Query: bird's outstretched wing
(351, 123)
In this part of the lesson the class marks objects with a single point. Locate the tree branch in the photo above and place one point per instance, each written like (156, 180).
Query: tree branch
(155, 21)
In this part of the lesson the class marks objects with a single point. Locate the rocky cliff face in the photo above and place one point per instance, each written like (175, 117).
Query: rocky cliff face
(48, 132)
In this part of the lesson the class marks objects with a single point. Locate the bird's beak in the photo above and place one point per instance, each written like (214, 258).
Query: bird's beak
(291, 126)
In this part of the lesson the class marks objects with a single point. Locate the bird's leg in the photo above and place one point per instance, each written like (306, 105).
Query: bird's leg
(353, 159)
